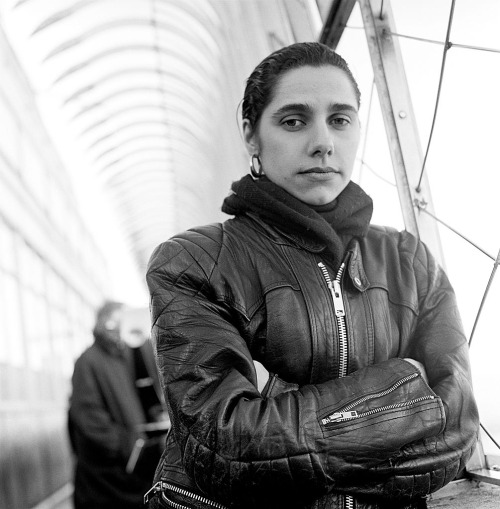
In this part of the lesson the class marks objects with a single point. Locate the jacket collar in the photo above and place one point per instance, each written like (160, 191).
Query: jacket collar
(355, 266)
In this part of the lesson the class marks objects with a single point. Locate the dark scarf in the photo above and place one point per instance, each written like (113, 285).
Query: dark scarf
(349, 215)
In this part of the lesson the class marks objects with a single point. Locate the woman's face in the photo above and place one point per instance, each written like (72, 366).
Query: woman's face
(308, 135)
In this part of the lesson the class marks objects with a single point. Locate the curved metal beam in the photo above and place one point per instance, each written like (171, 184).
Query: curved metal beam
(177, 76)
(171, 135)
(210, 15)
(193, 130)
(172, 145)
(169, 28)
(131, 141)
(130, 90)
(195, 162)
(195, 9)
(139, 208)
(136, 166)
(111, 134)
(89, 107)
(60, 15)
(133, 47)
(106, 167)
(117, 113)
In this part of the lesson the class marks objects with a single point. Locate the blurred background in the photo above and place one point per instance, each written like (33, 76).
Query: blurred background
(119, 126)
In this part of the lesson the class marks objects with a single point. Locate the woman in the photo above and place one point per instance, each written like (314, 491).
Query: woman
(349, 319)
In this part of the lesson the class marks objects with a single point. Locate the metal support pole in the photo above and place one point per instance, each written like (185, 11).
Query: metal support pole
(399, 120)
(335, 21)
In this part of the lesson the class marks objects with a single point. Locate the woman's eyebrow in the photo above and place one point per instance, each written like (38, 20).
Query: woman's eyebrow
(343, 107)
(293, 108)
(306, 108)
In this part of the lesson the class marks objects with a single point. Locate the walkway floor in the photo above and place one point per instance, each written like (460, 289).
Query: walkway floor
(478, 495)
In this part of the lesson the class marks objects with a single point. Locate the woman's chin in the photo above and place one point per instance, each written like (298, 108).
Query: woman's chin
(318, 199)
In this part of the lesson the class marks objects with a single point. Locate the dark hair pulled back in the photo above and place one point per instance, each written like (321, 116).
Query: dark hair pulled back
(262, 82)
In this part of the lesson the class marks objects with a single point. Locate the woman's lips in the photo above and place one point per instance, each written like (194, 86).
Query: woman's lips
(320, 170)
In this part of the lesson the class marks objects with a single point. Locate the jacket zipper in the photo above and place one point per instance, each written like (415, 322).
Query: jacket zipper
(349, 502)
(339, 310)
(161, 486)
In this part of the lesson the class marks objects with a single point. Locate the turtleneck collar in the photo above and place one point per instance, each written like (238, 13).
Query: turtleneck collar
(323, 209)
(347, 216)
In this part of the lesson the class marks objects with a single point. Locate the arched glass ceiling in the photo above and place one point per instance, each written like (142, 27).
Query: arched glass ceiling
(135, 80)
(149, 89)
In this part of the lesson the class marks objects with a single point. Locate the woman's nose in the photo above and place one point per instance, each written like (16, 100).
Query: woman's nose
(321, 141)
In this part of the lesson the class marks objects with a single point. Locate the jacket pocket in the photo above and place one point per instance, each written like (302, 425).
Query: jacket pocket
(385, 420)
(172, 496)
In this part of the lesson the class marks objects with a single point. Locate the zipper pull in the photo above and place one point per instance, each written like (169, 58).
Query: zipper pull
(339, 416)
(152, 492)
(338, 301)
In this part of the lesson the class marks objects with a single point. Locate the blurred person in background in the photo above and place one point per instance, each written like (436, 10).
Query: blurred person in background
(114, 400)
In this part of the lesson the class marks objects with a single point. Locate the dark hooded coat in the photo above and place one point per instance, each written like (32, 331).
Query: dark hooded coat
(104, 413)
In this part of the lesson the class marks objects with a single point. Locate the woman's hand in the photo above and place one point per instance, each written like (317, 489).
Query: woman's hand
(420, 367)
(262, 375)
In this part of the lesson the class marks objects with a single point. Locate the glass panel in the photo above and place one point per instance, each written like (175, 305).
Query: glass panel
(14, 340)
(4, 345)
(9, 135)
(8, 250)
(34, 172)
(60, 332)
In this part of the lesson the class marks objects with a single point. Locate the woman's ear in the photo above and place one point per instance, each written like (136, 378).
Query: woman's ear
(250, 138)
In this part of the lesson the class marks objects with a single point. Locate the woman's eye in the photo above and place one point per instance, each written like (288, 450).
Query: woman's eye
(341, 121)
(293, 123)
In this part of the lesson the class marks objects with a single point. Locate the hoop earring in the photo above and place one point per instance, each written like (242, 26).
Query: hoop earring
(256, 167)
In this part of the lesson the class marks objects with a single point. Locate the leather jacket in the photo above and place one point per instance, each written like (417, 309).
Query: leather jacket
(354, 423)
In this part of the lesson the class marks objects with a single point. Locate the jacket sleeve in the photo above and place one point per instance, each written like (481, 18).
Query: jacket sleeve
(439, 343)
(238, 445)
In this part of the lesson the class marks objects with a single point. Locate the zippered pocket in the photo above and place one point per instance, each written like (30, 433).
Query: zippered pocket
(350, 413)
(172, 496)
